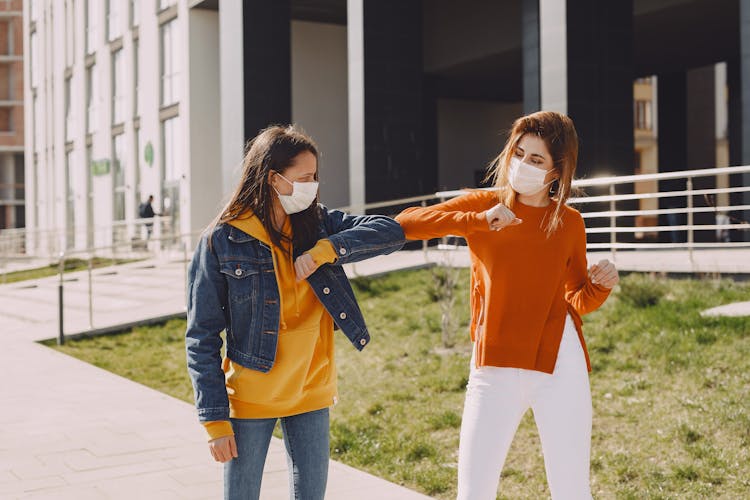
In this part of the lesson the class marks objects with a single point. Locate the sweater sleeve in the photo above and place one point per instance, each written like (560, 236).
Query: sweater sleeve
(218, 428)
(323, 252)
(580, 292)
(459, 217)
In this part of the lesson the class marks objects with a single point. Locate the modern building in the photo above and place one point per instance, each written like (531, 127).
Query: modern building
(12, 209)
(128, 98)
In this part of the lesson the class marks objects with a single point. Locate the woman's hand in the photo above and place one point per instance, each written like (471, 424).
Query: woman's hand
(501, 216)
(604, 273)
(304, 266)
(223, 449)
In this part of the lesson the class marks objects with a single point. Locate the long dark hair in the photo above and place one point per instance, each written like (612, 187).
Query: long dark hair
(559, 134)
(272, 150)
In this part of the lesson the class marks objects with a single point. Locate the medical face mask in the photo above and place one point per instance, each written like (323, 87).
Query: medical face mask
(525, 179)
(303, 194)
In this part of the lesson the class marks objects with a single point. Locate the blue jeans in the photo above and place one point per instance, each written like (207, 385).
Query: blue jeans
(306, 441)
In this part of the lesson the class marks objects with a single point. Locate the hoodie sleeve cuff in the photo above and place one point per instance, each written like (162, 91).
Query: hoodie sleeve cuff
(323, 252)
(218, 428)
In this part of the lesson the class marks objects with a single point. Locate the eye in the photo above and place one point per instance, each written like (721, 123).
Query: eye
(518, 154)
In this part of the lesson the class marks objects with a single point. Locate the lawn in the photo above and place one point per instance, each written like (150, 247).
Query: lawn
(670, 389)
(71, 265)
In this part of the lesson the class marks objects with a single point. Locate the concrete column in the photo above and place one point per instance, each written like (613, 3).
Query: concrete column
(267, 64)
(231, 95)
(744, 104)
(531, 51)
(356, 96)
(386, 101)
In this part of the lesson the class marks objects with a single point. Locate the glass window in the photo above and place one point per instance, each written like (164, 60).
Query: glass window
(118, 180)
(6, 37)
(170, 135)
(163, 4)
(136, 96)
(6, 119)
(70, 32)
(34, 50)
(169, 66)
(118, 95)
(6, 82)
(135, 14)
(114, 19)
(69, 122)
(34, 8)
(92, 98)
(92, 7)
(70, 199)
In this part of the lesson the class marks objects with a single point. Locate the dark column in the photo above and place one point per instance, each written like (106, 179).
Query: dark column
(744, 104)
(600, 84)
(532, 98)
(672, 120)
(394, 101)
(701, 140)
(267, 64)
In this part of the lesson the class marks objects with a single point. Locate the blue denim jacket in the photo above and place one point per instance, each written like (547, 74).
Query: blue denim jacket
(233, 287)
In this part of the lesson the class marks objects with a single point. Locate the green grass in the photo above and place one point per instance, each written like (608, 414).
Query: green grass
(71, 265)
(670, 390)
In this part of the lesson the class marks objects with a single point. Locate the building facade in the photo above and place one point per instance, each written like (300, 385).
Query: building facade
(12, 206)
(127, 98)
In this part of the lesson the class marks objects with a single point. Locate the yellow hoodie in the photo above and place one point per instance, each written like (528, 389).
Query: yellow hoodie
(303, 377)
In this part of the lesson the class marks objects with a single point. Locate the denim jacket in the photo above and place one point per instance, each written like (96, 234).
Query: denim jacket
(232, 286)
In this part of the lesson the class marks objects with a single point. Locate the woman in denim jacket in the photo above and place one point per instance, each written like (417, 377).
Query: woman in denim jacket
(268, 272)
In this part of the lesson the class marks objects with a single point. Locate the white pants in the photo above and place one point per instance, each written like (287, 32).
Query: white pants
(497, 398)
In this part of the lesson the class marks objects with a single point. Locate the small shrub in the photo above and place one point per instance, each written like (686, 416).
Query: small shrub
(641, 291)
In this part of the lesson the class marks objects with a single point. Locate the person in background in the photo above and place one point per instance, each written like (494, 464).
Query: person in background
(146, 211)
(268, 271)
(529, 288)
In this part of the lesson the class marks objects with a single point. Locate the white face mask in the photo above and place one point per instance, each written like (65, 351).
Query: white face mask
(526, 179)
(303, 194)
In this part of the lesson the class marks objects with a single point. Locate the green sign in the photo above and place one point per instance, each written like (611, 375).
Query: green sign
(99, 167)
(148, 153)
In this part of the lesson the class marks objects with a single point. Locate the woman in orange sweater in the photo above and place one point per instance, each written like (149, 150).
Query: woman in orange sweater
(529, 287)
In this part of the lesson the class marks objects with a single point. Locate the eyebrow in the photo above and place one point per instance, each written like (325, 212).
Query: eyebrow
(519, 148)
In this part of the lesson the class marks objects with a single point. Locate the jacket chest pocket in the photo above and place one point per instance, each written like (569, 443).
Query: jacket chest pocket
(242, 280)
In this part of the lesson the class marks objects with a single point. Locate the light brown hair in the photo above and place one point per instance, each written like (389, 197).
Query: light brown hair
(559, 135)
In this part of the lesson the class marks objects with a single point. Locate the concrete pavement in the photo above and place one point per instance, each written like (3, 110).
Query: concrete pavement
(69, 430)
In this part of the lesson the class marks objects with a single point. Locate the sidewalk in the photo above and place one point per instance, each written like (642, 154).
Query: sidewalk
(69, 430)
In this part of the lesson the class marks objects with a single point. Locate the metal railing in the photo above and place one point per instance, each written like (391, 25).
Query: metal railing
(614, 214)
(48, 243)
(172, 245)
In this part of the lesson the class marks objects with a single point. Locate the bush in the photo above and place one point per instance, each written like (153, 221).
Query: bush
(641, 291)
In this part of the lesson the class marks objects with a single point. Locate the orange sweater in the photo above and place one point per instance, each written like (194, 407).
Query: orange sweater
(522, 284)
(303, 378)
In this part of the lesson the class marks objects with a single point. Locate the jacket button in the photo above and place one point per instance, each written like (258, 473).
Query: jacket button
(342, 315)
(362, 341)
(342, 251)
(326, 290)
(238, 272)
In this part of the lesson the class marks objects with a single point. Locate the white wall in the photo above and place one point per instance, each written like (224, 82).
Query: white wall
(319, 101)
(470, 135)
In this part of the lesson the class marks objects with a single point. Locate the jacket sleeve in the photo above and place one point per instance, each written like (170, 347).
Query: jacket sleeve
(360, 237)
(458, 217)
(580, 292)
(206, 302)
